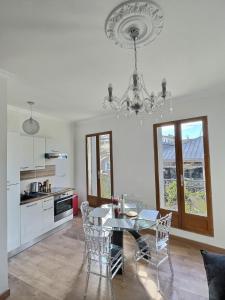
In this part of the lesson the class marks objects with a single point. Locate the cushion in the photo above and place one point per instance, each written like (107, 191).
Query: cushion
(215, 272)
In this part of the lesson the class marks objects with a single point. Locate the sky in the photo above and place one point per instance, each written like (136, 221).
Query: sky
(189, 130)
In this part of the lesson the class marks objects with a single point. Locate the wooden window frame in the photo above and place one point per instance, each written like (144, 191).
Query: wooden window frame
(189, 222)
(98, 200)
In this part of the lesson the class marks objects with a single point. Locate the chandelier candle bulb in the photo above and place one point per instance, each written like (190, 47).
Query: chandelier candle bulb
(164, 88)
(135, 80)
(110, 92)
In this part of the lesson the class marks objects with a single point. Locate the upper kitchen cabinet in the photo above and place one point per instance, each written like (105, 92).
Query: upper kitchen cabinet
(27, 153)
(32, 152)
(13, 159)
(53, 146)
(39, 152)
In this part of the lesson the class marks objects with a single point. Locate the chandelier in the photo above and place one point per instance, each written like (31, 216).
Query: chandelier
(133, 24)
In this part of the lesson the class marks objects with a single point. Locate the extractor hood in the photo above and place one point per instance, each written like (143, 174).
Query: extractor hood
(56, 155)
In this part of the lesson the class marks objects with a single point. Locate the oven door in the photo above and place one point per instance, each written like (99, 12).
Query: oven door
(62, 208)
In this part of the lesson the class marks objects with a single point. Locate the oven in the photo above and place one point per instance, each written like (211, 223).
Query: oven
(63, 205)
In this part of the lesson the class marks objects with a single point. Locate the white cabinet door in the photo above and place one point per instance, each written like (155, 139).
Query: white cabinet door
(47, 214)
(27, 153)
(31, 221)
(13, 158)
(39, 152)
(13, 216)
(52, 145)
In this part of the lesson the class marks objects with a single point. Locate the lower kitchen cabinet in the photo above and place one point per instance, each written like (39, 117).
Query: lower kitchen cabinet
(31, 221)
(13, 216)
(47, 214)
(37, 218)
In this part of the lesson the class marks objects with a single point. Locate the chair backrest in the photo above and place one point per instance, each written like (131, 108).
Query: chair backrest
(98, 241)
(84, 211)
(163, 228)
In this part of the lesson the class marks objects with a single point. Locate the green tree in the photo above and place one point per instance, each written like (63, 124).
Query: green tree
(195, 202)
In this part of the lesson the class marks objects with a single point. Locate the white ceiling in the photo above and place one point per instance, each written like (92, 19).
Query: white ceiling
(61, 58)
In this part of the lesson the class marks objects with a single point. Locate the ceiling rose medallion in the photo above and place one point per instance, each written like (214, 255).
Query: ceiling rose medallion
(134, 24)
(147, 16)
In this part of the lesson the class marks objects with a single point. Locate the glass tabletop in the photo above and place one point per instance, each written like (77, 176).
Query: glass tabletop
(141, 219)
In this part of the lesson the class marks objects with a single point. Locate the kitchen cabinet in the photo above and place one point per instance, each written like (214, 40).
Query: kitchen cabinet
(31, 221)
(27, 153)
(53, 146)
(39, 152)
(13, 190)
(13, 216)
(13, 159)
(32, 153)
(47, 214)
(62, 165)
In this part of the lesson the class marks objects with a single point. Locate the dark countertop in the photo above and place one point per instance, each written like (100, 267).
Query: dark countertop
(63, 190)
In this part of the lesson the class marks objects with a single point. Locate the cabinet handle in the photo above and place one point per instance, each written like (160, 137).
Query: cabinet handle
(48, 208)
(33, 204)
(23, 168)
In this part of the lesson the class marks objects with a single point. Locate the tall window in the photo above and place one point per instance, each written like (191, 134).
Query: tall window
(182, 173)
(99, 168)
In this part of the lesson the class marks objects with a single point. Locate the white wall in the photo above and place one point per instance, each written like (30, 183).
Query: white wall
(3, 205)
(58, 130)
(133, 154)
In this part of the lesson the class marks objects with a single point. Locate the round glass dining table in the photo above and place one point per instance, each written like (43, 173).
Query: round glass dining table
(144, 219)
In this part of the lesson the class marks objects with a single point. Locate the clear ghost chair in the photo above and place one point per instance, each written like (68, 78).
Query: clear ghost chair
(104, 258)
(84, 207)
(155, 249)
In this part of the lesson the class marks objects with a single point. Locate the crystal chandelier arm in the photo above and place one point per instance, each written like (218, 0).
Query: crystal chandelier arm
(144, 89)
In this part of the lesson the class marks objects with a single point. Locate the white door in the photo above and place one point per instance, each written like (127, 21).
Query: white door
(13, 158)
(27, 153)
(31, 221)
(39, 152)
(13, 216)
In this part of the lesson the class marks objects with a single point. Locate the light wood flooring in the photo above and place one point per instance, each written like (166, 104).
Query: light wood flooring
(52, 270)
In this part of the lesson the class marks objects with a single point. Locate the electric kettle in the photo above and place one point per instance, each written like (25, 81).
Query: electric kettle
(35, 187)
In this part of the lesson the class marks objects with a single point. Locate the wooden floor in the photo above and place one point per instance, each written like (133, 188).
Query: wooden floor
(52, 269)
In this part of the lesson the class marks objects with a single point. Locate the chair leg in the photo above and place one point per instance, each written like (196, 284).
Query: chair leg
(109, 281)
(86, 285)
(111, 289)
(100, 267)
(136, 267)
(157, 273)
(123, 265)
(84, 254)
(170, 262)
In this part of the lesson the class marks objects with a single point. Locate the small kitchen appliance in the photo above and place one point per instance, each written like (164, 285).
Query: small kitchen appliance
(35, 187)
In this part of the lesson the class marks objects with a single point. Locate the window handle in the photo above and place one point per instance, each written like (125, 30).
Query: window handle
(182, 180)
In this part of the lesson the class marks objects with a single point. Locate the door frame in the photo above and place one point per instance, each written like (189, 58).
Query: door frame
(98, 200)
(182, 220)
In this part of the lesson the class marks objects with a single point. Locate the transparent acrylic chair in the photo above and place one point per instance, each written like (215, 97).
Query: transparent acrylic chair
(84, 207)
(104, 258)
(155, 249)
